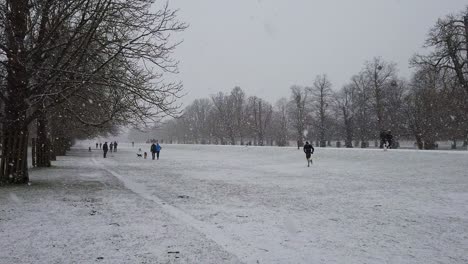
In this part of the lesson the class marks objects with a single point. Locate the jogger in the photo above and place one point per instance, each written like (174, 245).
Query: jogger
(308, 150)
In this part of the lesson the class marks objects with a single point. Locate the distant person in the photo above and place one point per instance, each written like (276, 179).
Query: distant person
(308, 150)
(153, 150)
(299, 144)
(133, 144)
(89, 149)
(111, 146)
(389, 139)
(158, 149)
(105, 149)
(100, 145)
(97, 145)
(383, 139)
(115, 146)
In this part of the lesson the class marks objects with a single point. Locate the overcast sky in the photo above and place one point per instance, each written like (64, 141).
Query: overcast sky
(265, 46)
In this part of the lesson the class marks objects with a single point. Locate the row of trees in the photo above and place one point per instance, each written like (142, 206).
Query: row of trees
(74, 69)
(432, 105)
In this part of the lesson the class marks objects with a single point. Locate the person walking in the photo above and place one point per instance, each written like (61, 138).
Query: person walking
(111, 146)
(389, 139)
(115, 146)
(308, 150)
(100, 145)
(299, 144)
(383, 139)
(133, 144)
(153, 150)
(97, 145)
(158, 149)
(104, 149)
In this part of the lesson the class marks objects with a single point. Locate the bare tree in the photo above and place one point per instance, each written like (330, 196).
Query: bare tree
(422, 107)
(380, 75)
(344, 102)
(53, 49)
(394, 116)
(224, 115)
(197, 115)
(299, 111)
(321, 95)
(362, 102)
(260, 117)
(448, 43)
(280, 122)
(238, 101)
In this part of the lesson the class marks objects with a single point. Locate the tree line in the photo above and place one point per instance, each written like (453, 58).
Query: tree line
(81, 68)
(432, 105)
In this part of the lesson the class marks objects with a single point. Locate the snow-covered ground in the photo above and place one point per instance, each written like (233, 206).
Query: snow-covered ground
(221, 204)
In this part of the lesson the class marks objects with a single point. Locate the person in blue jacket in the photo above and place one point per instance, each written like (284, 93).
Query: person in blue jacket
(158, 149)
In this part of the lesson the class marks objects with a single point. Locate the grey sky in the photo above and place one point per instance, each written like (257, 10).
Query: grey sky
(265, 46)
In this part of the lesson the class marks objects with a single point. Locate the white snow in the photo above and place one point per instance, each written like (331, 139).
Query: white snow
(222, 204)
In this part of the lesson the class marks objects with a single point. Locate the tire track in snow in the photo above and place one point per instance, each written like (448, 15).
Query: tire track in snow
(211, 232)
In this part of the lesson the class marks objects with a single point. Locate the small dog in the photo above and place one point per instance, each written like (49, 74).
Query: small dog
(146, 155)
(138, 155)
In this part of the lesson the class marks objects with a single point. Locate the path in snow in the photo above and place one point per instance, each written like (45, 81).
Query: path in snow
(77, 212)
(210, 231)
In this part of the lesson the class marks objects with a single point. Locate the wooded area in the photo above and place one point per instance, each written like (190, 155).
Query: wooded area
(76, 69)
(431, 106)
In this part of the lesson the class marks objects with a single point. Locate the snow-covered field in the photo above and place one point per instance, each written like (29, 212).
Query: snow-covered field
(221, 204)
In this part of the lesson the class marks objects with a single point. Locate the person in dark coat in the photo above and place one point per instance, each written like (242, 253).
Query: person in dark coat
(111, 145)
(153, 150)
(97, 145)
(389, 139)
(105, 149)
(299, 144)
(115, 146)
(308, 150)
(383, 139)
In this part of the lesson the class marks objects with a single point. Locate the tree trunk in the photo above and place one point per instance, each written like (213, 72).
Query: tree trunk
(53, 154)
(429, 144)
(323, 142)
(465, 141)
(14, 164)
(349, 132)
(260, 139)
(43, 145)
(349, 142)
(60, 147)
(454, 144)
(364, 144)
